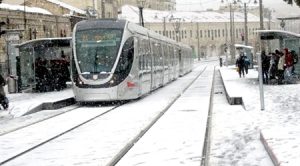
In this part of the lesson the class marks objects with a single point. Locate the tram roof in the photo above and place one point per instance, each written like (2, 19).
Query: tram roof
(63, 41)
(276, 34)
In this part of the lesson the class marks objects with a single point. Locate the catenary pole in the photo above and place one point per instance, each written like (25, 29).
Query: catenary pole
(261, 89)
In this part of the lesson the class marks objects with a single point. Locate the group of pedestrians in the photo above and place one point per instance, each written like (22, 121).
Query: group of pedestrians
(51, 74)
(242, 64)
(278, 65)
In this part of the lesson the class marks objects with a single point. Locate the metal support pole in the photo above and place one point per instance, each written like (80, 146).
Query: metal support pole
(261, 89)
(141, 16)
(232, 35)
(25, 18)
(246, 26)
(226, 41)
(198, 41)
(102, 8)
(261, 21)
(164, 26)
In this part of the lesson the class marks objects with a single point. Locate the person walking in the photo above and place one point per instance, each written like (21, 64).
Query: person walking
(247, 64)
(265, 66)
(240, 64)
(3, 98)
(281, 67)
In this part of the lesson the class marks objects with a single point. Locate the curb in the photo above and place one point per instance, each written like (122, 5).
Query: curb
(52, 105)
(232, 100)
(269, 150)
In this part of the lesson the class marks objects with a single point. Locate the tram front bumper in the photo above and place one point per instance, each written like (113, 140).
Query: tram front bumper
(90, 94)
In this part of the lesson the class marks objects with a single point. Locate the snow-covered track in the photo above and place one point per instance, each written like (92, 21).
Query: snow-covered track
(40, 133)
(28, 120)
(104, 140)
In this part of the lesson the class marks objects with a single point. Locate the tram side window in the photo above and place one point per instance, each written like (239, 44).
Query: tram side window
(126, 58)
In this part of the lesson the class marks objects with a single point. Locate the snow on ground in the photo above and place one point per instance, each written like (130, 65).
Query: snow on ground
(21, 103)
(278, 122)
(235, 133)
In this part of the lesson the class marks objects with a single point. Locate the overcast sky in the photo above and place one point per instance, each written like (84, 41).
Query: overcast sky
(281, 8)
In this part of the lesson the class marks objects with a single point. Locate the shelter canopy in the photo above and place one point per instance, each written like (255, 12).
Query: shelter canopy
(276, 34)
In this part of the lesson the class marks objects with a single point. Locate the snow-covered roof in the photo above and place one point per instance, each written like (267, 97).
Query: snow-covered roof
(131, 13)
(67, 6)
(21, 8)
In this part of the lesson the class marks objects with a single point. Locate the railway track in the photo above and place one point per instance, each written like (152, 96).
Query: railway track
(85, 134)
(38, 137)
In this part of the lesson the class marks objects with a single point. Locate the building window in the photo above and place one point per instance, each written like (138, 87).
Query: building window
(208, 33)
(201, 33)
(63, 33)
(34, 33)
(216, 34)
(30, 33)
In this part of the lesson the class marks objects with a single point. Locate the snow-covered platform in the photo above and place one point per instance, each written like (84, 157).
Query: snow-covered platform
(25, 103)
(277, 125)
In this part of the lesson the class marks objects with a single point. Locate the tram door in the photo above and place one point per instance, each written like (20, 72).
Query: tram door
(154, 64)
(166, 63)
(144, 65)
(159, 65)
(180, 62)
(171, 63)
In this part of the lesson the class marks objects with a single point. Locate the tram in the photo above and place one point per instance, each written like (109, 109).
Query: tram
(119, 60)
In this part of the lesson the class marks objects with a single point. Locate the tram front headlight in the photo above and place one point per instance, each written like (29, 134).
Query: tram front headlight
(79, 81)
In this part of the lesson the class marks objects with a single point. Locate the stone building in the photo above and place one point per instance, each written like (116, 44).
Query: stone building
(109, 8)
(208, 33)
(152, 4)
(22, 26)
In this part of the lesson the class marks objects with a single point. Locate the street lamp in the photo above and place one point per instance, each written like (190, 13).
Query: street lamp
(24, 16)
(232, 28)
(141, 4)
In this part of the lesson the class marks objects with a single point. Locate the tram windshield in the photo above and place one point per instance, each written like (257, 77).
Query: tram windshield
(97, 50)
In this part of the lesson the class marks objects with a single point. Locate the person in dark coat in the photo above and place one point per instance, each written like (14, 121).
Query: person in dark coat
(41, 75)
(2, 84)
(65, 73)
(295, 60)
(3, 99)
(240, 63)
(265, 62)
